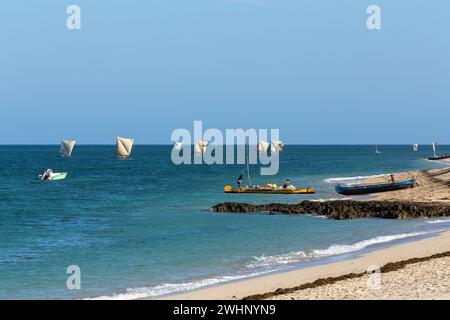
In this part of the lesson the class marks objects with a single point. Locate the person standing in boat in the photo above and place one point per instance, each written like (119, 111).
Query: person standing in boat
(239, 182)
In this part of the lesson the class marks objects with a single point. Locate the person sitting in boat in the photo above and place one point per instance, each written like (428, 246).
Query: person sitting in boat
(47, 174)
(239, 182)
(288, 185)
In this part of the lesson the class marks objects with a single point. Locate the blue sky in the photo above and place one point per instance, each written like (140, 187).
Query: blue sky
(143, 68)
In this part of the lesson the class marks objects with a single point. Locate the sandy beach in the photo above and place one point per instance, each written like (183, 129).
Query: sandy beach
(413, 270)
(353, 279)
(432, 186)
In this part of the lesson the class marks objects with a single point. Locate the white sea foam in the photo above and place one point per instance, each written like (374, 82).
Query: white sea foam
(439, 221)
(352, 179)
(333, 250)
(170, 288)
(329, 199)
(269, 263)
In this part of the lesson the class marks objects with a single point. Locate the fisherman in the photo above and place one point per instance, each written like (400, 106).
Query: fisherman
(47, 174)
(392, 178)
(287, 184)
(239, 182)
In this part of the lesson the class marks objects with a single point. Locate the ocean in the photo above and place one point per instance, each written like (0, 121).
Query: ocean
(142, 227)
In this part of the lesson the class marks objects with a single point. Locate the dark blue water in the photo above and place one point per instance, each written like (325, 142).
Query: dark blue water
(142, 227)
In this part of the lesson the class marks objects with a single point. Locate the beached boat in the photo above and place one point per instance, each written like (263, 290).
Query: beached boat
(357, 189)
(264, 190)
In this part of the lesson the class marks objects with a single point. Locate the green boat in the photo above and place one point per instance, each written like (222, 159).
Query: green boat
(50, 175)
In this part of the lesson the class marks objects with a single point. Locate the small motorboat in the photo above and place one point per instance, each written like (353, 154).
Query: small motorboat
(266, 190)
(358, 189)
(50, 175)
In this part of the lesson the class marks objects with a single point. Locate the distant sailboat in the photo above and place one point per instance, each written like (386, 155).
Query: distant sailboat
(263, 146)
(436, 156)
(376, 150)
(416, 147)
(124, 147)
(276, 147)
(200, 146)
(177, 145)
(66, 147)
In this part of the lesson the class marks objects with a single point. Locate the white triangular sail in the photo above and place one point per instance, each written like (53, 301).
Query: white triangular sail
(67, 147)
(434, 148)
(200, 146)
(263, 146)
(280, 145)
(276, 146)
(124, 147)
(177, 145)
(416, 147)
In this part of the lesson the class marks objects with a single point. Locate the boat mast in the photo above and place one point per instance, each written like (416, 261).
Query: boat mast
(248, 162)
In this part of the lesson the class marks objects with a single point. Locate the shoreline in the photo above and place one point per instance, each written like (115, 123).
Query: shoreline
(279, 284)
(430, 198)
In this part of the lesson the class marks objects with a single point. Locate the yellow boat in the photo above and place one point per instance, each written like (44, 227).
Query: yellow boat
(265, 190)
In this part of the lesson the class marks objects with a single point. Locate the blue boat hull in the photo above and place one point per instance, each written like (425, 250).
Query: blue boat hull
(374, 188)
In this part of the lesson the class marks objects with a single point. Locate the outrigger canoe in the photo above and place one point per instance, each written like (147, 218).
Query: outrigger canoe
(229, 189)
(358, 189)
(436, 158)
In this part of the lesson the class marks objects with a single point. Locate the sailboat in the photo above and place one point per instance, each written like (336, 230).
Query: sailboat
(66, 147)
(124, 147)
(435, 155)
(263, 146)
(200, 146)
(376, 149)
(416, 147)
(273, 189)
(276, 147)
(177, 145)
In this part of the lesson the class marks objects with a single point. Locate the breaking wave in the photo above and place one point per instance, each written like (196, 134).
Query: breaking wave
(352, 179)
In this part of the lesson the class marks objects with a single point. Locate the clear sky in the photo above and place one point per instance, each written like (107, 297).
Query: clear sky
(144, 68)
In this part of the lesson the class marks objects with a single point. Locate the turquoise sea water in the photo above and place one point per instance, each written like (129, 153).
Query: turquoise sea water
(141, 227)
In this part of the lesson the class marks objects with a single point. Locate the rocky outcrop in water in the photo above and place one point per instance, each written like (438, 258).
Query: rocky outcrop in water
(344, 209)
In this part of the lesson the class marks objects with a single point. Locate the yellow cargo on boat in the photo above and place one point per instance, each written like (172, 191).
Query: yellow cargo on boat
(229, 189)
